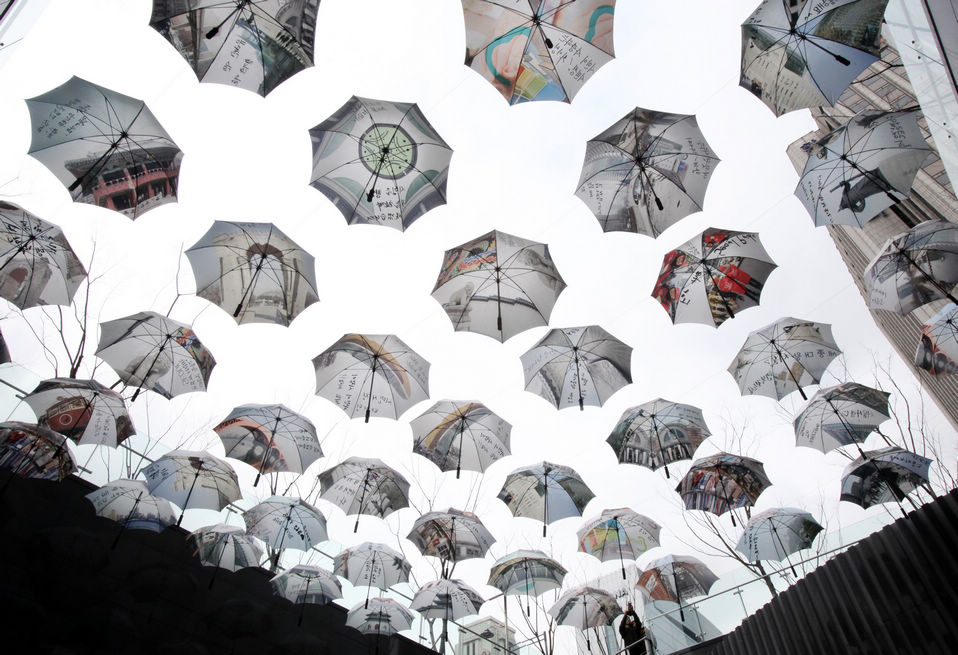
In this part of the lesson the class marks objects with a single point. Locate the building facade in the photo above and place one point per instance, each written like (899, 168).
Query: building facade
(487, 636)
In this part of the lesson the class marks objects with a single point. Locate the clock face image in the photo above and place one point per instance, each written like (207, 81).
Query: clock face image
(387, 150)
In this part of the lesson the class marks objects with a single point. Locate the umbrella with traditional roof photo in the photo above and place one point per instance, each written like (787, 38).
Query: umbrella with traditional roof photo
(526, 492)
(841, 415)
(722, 483)
(379, 616)
(446, 600)
(364, 485)
(303, 583)
(527, 572)
(460, 434)
(646, 172)
(83, 410)
(193, 479)
(225, 546)
(380, 162)
(658, 433)
(107, 148)
(618, 534)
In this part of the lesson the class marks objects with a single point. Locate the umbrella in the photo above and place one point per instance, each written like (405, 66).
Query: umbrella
(286, 523)
(580, 365)
(269, 437)
(250, 44)
(83, 410)
(862, 167)
(446, 599)
(108, 149)
(840, 415)
(784, 356)
(452, 535)
(723, 482)
(646, 171)
(37, 265)
(302, 583)
(712, 276)
(529, 572)
(151, 351)
(676, 578)
(380, 162)
(130, 503)
(373, 373)
(618, 534)
(224, 546)
(34, 451)
(193, 479)
(586, 607)
(937, 350)
(253, 271)
(361, 485)
(914, 268)
(498, 285)
(884, 475)
(658, 433)
(776, 533)
(806, 57)
(526, 492)
(372, 565)
(379, 616)
(538, 50)
(458, 435)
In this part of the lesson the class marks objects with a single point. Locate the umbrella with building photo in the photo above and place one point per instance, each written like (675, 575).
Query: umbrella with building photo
(498, 285)
(37, 264)
(225, 546)
(777, 533)
(585, 607)
(193, 479)
(538, 50)
(526, 572)
(151, 351)
(254, 272)
(271, 438)
(841, 415)
(379, 616)
(646, 172)
(372, 565)
(658, 433)
(446, 600)
(914, 268)
(712, 277)
(861, 168)
(458, 435)
(937, 350)
(676, 579)
(380, 162)
(577, 366)
(107, 148)
(83, 410)
(30, 450)
(252, 45)
(885, 475)
(130, 503)
(364, 485)
(618, 534)
(283, 522)
(304, 584)
(545, 491)
(451, 536)
(722, 483)
(804, 54)
(782, 357)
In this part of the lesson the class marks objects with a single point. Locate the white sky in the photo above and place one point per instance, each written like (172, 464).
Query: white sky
(513, 169)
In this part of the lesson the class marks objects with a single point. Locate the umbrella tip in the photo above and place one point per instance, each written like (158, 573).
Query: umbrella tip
(213, 32)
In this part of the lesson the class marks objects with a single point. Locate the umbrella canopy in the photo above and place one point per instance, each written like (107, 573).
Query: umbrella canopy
(777, 533)
(34, 451)
(577, 366)
(150, 351)
(373, 373)
(937, 350)
(224, 546)
(249, 44)
(254, 272)
(863, 167)
(782, 357)
(130, 503)
(713, 276)
(547, 491)
(286, 523)
(455, 434)
(269, 437)
(722, 483)
(372, 565)
(379, 616)
(364, 485)
(885, 475)
(914, 268)
(498, 285)
(451, 535)
(646, 171)
(676, 578)
(527, 572)
(108, 149)
(618, 534)
(538, 50)
(447, 600)
(586, 607)
(83, 410)
(840, 415)
(658, 433)
(380, 162)
(193, 479)
(303, 583)
(37, 264)
(806, 57)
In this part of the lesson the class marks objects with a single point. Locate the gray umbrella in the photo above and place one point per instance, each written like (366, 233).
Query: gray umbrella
(451, 535)
(885, 475)
(777, 533)
(379, 616)
(372, 565)
(364, 485)
(658, 433)
(83, 410)
(193, 478)
(529, 572)
(460, 435)
(676, 578)
(286, 523)
(545, 491)
(618, 534)
(302, 584)
(722, 482)
(586, 607)
(225, 546)
(446, 599)
(840, 415)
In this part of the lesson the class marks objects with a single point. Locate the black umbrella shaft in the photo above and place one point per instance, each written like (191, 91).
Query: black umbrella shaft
(545, 501)
(578, 379)
(362, 497)
(269, 446)
(462, 429)
(788, 368)
(929, 276)
(186, 503)
(156, 358)
(372, 381)
(499, 304)
(718, 290)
